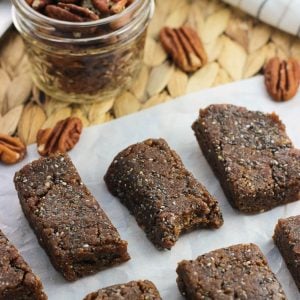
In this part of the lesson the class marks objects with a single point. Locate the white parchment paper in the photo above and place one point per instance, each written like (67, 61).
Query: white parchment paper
(92, 156)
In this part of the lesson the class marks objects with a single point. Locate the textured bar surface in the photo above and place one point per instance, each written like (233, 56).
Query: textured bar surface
(252, 156)
(133, 290)
(237, 272)
(287, 239)
(17, 282)
(166, 200)
(68, 221)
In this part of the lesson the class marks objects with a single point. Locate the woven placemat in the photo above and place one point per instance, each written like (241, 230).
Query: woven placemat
(237, 46)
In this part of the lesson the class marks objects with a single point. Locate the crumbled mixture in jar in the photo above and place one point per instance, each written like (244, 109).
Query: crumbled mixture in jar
(287, 239)
(166, 200)
(17, 282)
(68, 221)
(252, 156)
(133, 290)
(79, 10)
(237, 272)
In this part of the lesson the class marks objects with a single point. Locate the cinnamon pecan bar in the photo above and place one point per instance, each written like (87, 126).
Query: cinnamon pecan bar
(68, 221)
(133, 290)
(252, 156)
(237, 272)
(151, 181)
(17, 281)
(287, 239)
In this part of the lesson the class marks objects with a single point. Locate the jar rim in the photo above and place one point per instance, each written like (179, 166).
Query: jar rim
(23, 5)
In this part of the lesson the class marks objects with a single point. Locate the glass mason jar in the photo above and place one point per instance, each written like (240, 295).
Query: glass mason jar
(84, 62)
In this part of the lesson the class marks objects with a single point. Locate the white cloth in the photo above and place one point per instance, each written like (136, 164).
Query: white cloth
(5, 16)
(92, 156)
(283, 14)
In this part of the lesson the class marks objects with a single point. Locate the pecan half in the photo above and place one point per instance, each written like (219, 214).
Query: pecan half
(60, 139)
(118, 6)
(12, 149)
(71, 1)
(38, 4)
(110, 6)
(101, 5)
(185, 47)
(70, 12)
(282, 78)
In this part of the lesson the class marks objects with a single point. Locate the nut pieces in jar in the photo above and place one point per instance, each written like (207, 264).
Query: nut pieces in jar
(282, 78)
(110, 7)
(90, 76)
(83, 51)
(79, 10)
(185, 47)
(12, 149)
(38, 4)
(60, 139)
(70, 12)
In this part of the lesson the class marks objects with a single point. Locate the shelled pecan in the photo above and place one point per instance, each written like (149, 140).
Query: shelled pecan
(185, 47)
(70, 12)
(12, 149)
(38, 4)
(60, 139)
(71, 1)
(282, 78)
(78, 10)
(110, 6)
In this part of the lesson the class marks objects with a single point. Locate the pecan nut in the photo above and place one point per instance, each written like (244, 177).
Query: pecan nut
(282, 78)
(110, 6)
(185, 47)
(38, 4)
(70, 12)
(60, 139)
(70, 1)
(12, 149)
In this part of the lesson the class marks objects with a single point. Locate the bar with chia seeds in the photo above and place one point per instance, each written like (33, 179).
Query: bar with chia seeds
(237, 272)
(287, 239)
(252, 156)
(68, 221)
(133, 290)
(151, 181)
(17, 281)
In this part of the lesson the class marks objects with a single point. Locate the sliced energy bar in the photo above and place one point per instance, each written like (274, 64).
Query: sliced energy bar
(237, 272)
(133, 290)
(68, 221)
(166, 200)
(287, 239)
(17, 281)
(252, 156)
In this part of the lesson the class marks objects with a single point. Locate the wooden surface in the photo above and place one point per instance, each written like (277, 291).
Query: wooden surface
(237, 46)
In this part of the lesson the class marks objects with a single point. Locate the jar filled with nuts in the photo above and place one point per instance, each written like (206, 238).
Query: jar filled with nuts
(83, 51)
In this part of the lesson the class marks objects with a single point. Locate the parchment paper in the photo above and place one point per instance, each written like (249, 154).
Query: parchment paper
(96, 149)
